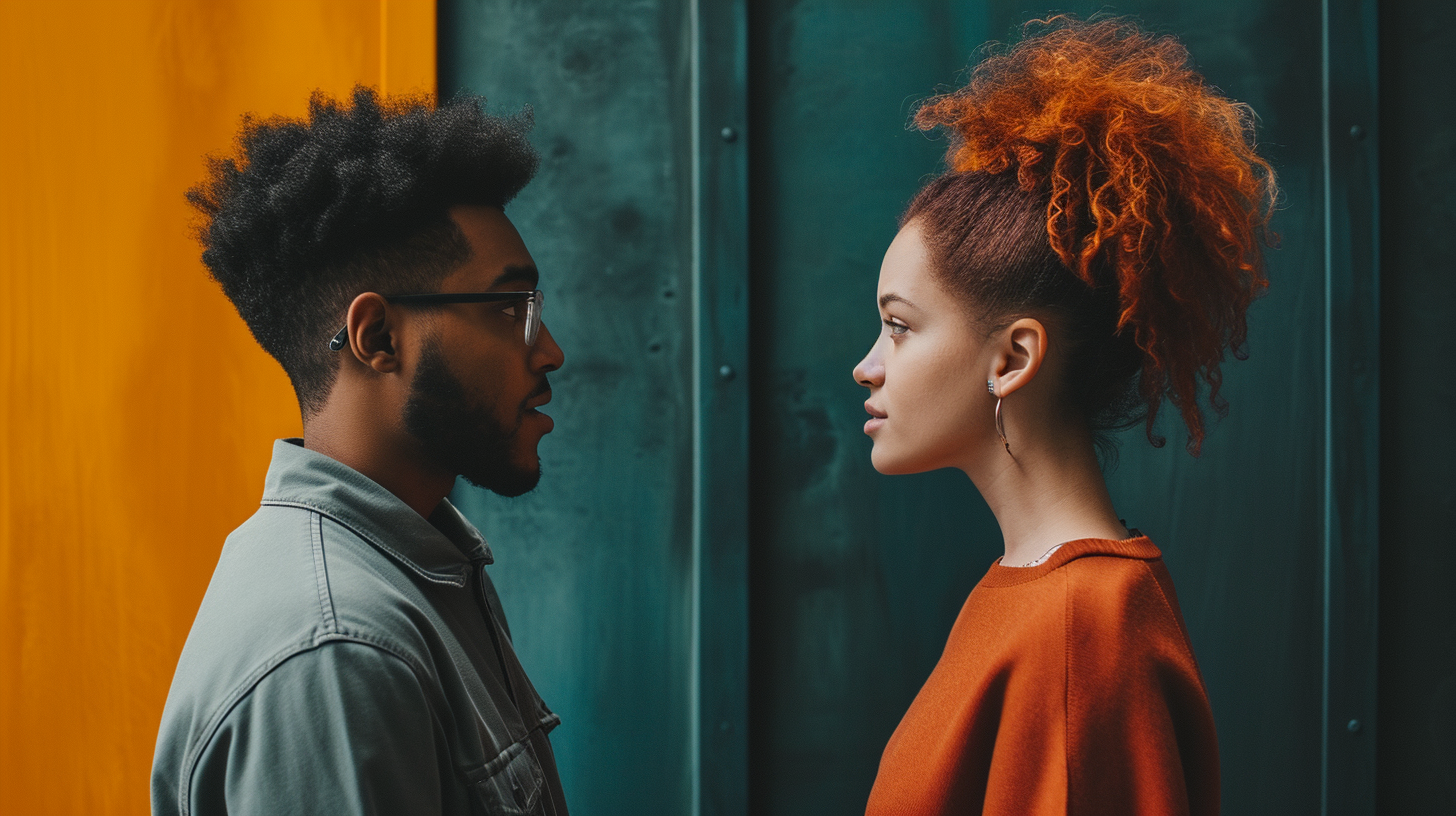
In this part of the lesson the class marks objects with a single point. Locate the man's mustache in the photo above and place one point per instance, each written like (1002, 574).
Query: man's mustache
(539, 390)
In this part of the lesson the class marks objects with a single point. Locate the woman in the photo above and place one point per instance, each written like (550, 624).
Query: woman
(1091, 252)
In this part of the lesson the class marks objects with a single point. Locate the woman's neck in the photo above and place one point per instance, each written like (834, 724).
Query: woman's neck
(1048, 491)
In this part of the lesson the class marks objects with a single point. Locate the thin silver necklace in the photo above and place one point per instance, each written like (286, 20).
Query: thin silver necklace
(1132, 532)
(1044, 556)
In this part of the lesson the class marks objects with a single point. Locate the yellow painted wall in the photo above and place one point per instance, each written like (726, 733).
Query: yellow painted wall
(137, 411)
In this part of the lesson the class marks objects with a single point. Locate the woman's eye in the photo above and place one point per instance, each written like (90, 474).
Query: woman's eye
(896, 327)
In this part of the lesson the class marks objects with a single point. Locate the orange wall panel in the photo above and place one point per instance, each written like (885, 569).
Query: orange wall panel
(137, 410)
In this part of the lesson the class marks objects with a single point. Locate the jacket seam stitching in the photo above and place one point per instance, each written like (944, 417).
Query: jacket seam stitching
(428, 575)
(243, 689)
(321, 573)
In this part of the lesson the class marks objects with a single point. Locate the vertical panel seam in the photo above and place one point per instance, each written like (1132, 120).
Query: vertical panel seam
(1351, 429)
(695, 707)
(1327, 539)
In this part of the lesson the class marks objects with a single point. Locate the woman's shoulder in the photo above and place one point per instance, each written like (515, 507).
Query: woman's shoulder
(1121, 607)
(1119, 581)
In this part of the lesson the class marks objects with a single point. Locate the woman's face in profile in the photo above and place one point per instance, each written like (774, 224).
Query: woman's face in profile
(927, 372)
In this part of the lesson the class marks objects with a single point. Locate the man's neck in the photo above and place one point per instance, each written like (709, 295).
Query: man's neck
(391, 458)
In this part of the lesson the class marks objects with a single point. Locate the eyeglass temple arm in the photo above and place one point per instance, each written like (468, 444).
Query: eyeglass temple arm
(342, 338)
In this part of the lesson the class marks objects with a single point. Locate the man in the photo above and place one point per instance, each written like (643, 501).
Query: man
(350, 655)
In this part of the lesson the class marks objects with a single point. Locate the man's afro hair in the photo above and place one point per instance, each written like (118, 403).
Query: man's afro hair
(353, 197)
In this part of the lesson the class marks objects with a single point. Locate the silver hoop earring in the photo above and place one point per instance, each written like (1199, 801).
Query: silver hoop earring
(1001, 427)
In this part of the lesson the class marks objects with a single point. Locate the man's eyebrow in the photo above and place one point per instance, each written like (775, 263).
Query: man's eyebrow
(890, 297)
(527, 275)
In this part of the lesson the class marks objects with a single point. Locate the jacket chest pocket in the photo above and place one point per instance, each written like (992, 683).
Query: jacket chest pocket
(512, 784)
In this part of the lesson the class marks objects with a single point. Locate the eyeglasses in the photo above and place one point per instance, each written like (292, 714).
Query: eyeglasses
(533, 299)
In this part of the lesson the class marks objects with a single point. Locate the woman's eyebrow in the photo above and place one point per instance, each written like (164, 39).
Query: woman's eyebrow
(890, 297)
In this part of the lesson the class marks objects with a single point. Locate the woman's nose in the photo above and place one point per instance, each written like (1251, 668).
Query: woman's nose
(870, 372)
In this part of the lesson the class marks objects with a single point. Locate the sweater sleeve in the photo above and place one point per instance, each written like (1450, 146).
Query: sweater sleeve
(1140, 734)
(342, 728)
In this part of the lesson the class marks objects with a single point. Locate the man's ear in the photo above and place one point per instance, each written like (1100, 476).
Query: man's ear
(372, 333)
(1023, 348)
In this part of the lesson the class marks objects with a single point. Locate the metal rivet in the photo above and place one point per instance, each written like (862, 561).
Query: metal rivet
(725, 372)
(1357, 133)
(729, 134)
(1352, 726)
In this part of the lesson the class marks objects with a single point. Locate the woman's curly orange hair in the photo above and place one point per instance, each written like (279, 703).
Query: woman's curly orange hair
(1151, 176)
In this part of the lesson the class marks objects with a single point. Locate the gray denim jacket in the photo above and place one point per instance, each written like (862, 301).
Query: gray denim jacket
(351, 657)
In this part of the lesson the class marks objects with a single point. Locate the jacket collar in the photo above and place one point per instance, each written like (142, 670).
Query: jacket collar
(440, 549)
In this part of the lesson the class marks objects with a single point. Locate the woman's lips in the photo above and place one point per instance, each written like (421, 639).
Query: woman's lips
(877, 418)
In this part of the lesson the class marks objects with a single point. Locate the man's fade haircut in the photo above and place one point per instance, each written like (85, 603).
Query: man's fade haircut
(353, 197)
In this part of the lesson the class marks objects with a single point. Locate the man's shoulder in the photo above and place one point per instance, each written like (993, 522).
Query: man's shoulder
(304, 708)
(290, 577)
(291, 587)
(288, 580)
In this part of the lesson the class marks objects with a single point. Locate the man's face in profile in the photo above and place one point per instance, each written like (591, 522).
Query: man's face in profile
(477, 385)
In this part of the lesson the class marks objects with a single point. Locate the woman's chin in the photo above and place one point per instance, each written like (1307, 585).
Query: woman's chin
(890, 465)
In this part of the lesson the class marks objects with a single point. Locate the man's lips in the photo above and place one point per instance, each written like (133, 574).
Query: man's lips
(539, 399)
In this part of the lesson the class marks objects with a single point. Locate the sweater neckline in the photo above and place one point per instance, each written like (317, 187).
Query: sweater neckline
(1139, 547)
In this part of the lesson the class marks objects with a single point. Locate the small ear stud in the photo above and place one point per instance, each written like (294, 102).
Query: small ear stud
(991, 386)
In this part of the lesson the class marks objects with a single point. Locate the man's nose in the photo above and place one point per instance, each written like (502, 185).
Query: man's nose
(546, 355)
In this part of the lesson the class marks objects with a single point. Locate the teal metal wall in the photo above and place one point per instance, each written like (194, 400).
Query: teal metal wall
(625, 574)
(1417, 745)
(595, 567)
(727, 605)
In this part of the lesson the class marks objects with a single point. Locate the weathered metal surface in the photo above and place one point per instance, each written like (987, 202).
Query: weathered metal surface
(1352, 406)
(596, 568)
(639, 223)
(720, 337)
(1417, 728)
(855, 577)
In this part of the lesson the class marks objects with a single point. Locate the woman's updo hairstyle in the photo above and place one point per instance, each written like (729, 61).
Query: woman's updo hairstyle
(1096, 180)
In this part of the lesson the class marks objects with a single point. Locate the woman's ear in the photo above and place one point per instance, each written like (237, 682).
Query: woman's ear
(372, 333)
(1023, 348)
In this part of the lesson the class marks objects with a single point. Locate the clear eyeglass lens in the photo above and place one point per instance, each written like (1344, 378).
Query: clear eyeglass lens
(533, 317)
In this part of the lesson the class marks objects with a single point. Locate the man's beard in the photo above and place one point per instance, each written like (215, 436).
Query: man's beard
(460, 437)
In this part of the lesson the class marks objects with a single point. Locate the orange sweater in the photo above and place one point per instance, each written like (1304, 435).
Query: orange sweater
(1065, 688)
